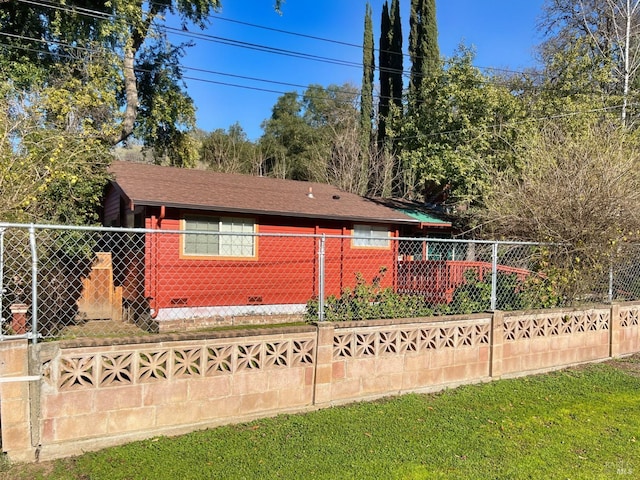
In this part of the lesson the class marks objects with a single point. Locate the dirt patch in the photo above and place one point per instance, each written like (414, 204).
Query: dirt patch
(26, 471)
(630, 364)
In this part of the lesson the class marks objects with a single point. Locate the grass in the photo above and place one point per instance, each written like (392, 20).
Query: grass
(581, 423)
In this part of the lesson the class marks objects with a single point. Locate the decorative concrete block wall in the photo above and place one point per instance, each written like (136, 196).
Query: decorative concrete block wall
(554, 338)
(625, 338)
(98, 395)
(374, 358)
(15, 397)
(93, 393)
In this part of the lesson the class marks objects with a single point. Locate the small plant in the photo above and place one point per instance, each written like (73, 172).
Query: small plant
(367, 301)
(472, 296)
(536, 291)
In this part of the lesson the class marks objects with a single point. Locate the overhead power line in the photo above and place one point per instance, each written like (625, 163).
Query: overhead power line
(262, 48)
(512, 124)
(70, 47)
(70, 9)
(340, 42)
(138, 69)
(295, 34)
(247, 45)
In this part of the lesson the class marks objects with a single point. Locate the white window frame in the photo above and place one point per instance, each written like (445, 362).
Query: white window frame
(371, 236)
(216, 239)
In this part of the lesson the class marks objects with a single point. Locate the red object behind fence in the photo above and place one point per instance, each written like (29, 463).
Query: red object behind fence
(438, 279)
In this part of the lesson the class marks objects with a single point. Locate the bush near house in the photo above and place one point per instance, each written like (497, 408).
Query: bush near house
(367, 301)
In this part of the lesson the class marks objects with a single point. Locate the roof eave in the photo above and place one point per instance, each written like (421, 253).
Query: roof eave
(215, 208)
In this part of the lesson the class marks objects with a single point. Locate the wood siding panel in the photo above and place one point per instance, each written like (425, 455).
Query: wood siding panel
(112, 209)
(282, 273)
(285, 270)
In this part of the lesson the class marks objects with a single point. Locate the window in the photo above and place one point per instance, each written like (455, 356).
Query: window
(370, 236)
(217, 237)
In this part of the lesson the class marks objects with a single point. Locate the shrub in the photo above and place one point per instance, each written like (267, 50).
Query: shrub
(367, 301)
(536, 291)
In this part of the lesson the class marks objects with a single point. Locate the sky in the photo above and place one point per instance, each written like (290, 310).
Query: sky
(227, 81)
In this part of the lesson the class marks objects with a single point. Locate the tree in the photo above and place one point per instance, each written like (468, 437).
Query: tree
(315, 136)
(396, 57)
(344, 167)
(382, 173)
(390, 61)
(605, 34)
(231, 152)
(139, 81)
(466, 125)
(287, 139)
(368, 67)
(423, 47)
(384, 61)
(575, 188)
(390, 105)
(47, 174)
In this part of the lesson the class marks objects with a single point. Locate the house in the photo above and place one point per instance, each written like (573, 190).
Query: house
(251, 257)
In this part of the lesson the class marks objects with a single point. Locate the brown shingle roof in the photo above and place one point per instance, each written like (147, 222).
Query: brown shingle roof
(145, 184)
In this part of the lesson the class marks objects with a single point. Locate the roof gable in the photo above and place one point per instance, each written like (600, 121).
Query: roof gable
(144, 184)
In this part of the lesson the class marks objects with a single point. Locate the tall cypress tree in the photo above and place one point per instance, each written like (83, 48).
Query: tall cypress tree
(384, 63)
(391, 86)
(395, 55)
(423, 46)
(366, 100)
(391, 65)
(396, 87)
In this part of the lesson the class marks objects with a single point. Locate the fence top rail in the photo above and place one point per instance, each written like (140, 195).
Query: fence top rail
(87, 228)
(477, 242)
(79, 228)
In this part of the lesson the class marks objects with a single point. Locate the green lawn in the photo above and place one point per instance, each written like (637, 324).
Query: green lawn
(576, 423)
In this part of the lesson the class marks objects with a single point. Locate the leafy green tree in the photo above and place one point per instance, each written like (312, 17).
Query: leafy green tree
(316, 137)
(466, 126)
(165, 113)
(80, 77)
(46, 173)
(231, 152)
(571, 87)
(119, 51)
(288, 139)
(594, 45)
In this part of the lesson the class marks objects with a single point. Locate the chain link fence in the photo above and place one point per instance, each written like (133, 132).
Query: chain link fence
(64, 282)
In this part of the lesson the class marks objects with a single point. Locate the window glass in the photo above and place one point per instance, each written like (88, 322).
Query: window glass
(216, 238)
(370, 236)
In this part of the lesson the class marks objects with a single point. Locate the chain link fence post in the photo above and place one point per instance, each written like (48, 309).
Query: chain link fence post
(321, 278)
(2, 291)
(494, 276)
(610, 295)
(34, 284)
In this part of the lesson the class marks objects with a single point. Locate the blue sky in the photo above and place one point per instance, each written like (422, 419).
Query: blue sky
(503, 33)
